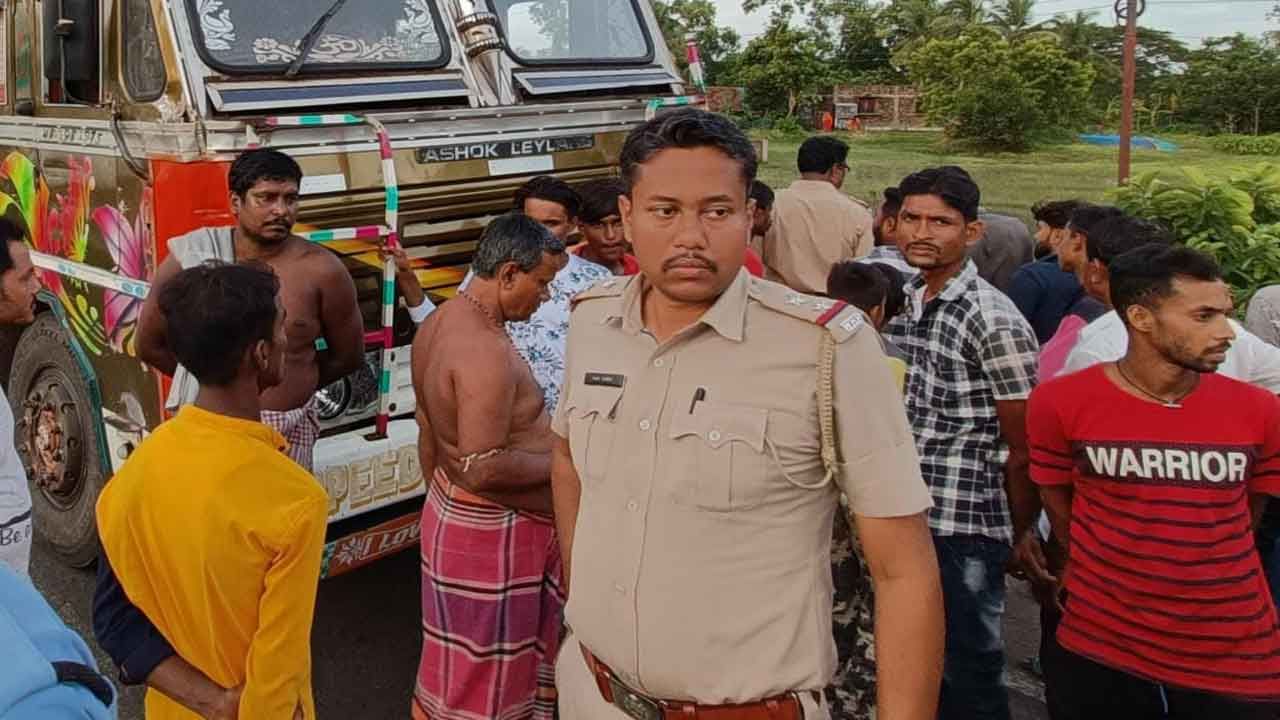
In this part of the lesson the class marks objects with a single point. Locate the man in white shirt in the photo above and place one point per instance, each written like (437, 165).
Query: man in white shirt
(18, 287)
(1250, 359)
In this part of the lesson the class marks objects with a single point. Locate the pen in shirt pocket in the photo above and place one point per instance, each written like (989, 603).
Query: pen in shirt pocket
(698, 396)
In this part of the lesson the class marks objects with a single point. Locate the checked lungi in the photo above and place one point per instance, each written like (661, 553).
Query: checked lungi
(300, 428)
(492, 609)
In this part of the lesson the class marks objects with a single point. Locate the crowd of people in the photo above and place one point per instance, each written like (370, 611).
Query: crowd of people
(696, 449)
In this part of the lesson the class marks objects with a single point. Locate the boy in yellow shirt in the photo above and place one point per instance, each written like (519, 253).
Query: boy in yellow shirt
(875, 289)
(212, 531)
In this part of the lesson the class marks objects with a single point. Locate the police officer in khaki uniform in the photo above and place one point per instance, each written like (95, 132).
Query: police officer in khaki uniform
(693, 489)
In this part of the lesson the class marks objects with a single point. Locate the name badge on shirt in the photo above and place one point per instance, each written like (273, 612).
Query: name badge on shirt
(605, 379)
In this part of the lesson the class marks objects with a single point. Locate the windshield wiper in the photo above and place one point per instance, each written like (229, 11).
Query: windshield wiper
(309, 40)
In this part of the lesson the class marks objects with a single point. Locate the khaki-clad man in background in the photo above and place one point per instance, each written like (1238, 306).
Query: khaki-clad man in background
(815, 225)
(692, 500)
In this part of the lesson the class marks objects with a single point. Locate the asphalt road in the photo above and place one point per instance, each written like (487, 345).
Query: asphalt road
(366, 638)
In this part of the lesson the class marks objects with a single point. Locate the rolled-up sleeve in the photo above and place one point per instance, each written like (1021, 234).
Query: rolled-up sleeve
(879, 469)
(123, 631)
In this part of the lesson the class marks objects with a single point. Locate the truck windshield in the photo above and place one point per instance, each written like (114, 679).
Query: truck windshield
(574, 31)
(252, 36)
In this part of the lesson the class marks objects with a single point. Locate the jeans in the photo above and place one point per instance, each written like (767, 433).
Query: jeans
(1086, 690)
(973, 589)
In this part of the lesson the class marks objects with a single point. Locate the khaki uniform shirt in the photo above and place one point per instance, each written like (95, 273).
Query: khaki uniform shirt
(701, 555)
(815, 226)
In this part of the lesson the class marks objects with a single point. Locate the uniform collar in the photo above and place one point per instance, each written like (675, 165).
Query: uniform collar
(225, 423)
(727, 316)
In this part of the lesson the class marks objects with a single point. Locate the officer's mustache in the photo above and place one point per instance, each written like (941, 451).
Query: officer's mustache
(692, 259)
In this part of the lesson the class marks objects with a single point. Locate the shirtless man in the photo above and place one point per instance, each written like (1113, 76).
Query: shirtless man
(318, 294)
(491, 596)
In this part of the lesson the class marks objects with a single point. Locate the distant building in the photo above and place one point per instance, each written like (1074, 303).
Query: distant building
(877, 107)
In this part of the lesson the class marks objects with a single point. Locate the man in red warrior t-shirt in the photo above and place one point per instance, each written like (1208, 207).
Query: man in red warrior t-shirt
(1148, 467)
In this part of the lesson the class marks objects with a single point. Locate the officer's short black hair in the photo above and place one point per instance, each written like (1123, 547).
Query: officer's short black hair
(550, 189)
(821, 153)
(687, 128)
(955, 186)
(215, 312)
(254, 166)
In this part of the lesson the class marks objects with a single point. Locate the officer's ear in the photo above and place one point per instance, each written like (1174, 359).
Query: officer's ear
(624, 213)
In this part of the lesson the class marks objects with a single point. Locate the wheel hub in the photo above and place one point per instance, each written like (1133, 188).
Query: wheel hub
(49, 434)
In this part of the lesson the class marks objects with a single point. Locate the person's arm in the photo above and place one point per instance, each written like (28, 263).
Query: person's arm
(153, 346)
(341, 324)
(416, 301)
(143, 655)
(566, 493)
(488, 465)
(278, 668)
(1053, 471)
(880, 474)
(909, 625)
(1024, 500)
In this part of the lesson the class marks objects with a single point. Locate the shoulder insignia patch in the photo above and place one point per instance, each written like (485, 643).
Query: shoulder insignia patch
(607, 288)
(840, 318)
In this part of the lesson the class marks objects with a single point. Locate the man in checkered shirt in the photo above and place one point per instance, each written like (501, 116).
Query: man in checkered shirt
(972, 360)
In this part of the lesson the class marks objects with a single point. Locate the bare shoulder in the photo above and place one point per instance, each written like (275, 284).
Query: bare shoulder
(455, 338)
(839, 318)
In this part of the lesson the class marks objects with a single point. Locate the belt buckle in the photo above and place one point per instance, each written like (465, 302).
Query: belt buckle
(633, 703)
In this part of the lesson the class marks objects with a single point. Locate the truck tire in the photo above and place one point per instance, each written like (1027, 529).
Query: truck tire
(57, 438)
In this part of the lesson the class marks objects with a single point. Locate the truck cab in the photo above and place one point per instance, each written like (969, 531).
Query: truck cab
(414, 121)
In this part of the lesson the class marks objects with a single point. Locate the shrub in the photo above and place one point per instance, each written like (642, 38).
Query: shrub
(1247, 144)
(1237, 220)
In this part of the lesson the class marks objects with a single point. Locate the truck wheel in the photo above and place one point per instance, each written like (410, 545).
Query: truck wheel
(56, 438)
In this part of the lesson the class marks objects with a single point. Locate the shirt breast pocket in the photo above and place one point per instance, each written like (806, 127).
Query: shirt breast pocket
(718, 457)
(592, 416)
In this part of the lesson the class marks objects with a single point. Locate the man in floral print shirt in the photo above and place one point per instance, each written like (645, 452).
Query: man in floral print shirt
(540, 340)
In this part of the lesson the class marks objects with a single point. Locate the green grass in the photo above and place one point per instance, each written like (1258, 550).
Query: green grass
(1010, 182)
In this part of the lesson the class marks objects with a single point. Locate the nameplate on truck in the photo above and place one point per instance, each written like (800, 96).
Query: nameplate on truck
(502, 149)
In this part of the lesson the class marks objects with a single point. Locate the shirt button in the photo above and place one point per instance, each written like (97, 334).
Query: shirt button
(714, 436)
(659, 363)
(633, 506)
(645, 425)
(619, 589)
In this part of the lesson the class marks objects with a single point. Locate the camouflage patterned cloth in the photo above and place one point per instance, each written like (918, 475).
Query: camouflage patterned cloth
(853, 694)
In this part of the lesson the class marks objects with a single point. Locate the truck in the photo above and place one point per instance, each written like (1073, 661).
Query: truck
(414, 122)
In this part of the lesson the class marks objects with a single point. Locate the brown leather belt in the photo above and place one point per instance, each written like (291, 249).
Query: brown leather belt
(643, 707)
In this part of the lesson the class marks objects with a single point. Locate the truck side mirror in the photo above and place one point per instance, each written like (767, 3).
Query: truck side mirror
(71, 48)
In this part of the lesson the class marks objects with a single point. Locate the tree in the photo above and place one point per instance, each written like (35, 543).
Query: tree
(909, 24)
(1232, 84)
(960, 15)
(1078, 35)
(716, 45)
(785, 66)
(983, 88)
(1014, 18)
(860, 52)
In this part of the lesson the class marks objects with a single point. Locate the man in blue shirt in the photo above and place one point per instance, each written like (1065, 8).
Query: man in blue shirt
(1042, 290)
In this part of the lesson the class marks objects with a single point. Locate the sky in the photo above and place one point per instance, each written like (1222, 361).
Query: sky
(1190, 20)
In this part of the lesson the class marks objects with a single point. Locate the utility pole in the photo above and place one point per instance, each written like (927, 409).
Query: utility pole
(1129, 10)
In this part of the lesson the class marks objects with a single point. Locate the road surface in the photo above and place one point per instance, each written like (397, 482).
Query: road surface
(367, 636)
